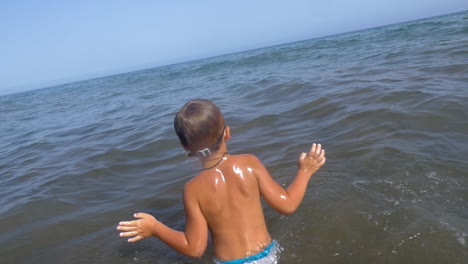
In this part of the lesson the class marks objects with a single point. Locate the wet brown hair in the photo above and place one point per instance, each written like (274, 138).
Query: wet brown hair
(199, 124)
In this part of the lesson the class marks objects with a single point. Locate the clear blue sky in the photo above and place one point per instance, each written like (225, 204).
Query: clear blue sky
(48, 42)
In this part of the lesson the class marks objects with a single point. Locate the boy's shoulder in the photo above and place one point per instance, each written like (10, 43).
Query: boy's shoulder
(248, 162)
(244, 155)
(245, 158)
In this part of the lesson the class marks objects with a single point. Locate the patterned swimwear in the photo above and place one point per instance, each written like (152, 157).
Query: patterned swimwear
(267, 256)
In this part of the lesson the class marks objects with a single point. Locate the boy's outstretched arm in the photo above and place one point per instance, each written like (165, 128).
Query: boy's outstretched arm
(192, 242)
(286, 201)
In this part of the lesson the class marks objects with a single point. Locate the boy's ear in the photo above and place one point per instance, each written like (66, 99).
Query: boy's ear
(227, 133)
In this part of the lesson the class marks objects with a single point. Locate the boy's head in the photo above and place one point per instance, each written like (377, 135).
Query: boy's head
(199, 125)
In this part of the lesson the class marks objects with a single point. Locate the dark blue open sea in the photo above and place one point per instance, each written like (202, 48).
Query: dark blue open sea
(389, 104)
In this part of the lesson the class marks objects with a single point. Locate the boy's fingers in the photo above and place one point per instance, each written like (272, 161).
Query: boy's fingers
(323, 161)
(312, 149)
(318, 149)
(126, 223)
(139, 215)
(322, 154)
(130, 233)
(135, 239)
(126, 228)
(302, 156)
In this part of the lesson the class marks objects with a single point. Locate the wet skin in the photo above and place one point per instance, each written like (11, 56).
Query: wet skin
(225, 200)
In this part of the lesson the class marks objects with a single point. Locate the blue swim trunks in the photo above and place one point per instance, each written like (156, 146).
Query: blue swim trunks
(270, 251)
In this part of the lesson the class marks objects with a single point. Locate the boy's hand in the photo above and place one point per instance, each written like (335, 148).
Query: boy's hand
(312, 161)
(138, 229)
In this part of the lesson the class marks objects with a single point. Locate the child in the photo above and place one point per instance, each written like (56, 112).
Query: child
(225, 196)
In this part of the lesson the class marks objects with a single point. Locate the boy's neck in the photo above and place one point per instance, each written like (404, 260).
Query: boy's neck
(215, 158)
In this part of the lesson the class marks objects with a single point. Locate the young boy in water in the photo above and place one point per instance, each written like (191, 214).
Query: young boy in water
(224, 198)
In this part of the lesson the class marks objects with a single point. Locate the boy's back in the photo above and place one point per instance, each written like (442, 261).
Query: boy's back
(225, 197)
(229, 199)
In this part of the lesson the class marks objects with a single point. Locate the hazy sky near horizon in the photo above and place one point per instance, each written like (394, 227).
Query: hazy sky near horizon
(52, 42)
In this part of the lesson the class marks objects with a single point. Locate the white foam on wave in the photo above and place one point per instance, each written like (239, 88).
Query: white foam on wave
(461, 239)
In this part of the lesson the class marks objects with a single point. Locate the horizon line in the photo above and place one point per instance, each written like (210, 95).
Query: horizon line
(56, 83)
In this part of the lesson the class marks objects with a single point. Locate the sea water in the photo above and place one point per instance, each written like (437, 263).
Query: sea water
(389, 105)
